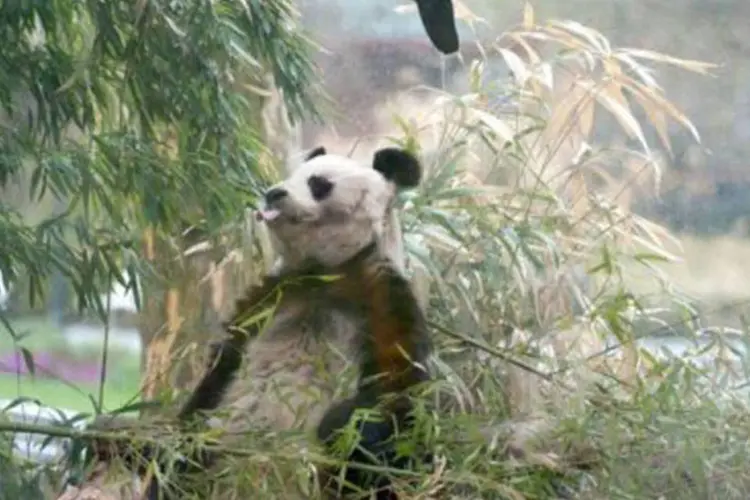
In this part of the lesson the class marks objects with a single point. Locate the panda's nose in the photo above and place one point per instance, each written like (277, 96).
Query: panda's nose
(275, 194)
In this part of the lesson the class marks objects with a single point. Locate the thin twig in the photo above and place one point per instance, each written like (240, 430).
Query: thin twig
(64, 432)
(495, 352)
(105, 346)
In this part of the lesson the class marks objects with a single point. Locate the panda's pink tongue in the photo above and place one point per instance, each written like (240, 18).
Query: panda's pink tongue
(267, 214)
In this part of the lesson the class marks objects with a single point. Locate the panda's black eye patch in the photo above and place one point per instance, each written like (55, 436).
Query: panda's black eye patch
(320, 187)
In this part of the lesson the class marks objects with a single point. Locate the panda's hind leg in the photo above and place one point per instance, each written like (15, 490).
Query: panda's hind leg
(373, 448)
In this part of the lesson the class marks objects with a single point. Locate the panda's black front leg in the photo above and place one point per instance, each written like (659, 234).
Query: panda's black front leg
(226, 359)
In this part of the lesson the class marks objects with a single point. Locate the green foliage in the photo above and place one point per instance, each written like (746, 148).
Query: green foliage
(134, 115)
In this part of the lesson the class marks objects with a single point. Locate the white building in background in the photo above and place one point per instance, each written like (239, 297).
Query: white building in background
(121, 336)
(120, 299)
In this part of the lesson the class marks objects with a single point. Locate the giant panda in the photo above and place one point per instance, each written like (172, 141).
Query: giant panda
(335, 217)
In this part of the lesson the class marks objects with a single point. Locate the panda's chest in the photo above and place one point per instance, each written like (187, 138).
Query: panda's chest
(302, 359)
(302, 338)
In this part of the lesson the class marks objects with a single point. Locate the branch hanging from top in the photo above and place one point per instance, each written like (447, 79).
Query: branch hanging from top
(439, 21)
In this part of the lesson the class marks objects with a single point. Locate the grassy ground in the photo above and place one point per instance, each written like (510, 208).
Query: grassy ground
(40, 335)
(58, 394)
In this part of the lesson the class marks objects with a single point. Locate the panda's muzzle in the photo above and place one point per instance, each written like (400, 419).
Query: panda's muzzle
(271, 198)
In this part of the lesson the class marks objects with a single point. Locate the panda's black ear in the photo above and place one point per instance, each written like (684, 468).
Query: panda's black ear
(398, 166)
(319, 151)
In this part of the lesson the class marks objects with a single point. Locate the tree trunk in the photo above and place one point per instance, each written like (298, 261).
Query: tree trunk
(181, 313)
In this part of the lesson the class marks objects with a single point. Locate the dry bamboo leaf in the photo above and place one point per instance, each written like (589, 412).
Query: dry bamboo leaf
(596, 39)
(495, 124)
(203, 246)
(660, 236)
(611, 97)
(564, 38)
(544, 75)
(586, 109)
(516, 65)
(622, 196)
(654, 247)
(643, 72)
(438, 239)
(464, 13)
(668, 107)
(611, 67)
(580, 195)
(636, 165)
(528, 16)
(476, 71)
(566, 115)
(657, 117)
(692, 65)
(531, 53)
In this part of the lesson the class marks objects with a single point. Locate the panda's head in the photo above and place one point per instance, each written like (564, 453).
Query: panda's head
(331, 207)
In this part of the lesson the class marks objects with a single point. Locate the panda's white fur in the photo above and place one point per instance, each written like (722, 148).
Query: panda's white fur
(298, 363)
(335, 229)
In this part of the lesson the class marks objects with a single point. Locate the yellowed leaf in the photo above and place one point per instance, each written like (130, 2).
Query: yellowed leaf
(571, 120)
(543, 74)
(614, 101)
(465, 13)
(562, 37)
(476, 70)
(531, 53)
(596, 39)
(643, 72)
(528, 16)
(636, 164)
(495, 124)
(584, 107)
(664, 104)
(623, 196)
(516, 65)
(660, 236)
(586, 112)
(655, 248)
(611, 67)
(536, 89)
(561, 121)
(658, 119)
(579, 194)
(696, 66)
